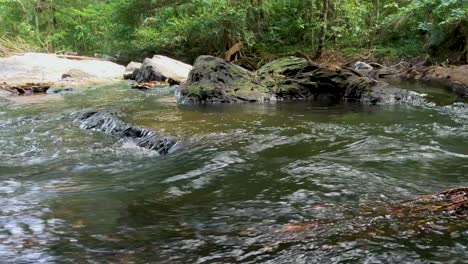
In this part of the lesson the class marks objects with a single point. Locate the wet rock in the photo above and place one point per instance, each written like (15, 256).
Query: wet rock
(213, 80)
(109, 123)
(149, 73)
(61, 91)
(383, 93)
(289, 78)
(296, 78)
(132, 70)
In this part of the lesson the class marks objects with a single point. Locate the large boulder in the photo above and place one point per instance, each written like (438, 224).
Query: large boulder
(131, 71)
(297, 78)
(289, 78)
(50, 68)
(149, 73)
(159, 68)
(213, 80)
(172, 69)
(109, 123)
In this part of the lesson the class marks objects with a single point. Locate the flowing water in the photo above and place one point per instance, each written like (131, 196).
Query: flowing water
(242, 174)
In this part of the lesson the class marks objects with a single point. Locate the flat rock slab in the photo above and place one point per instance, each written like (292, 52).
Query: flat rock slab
(172, 69)
(50, 68)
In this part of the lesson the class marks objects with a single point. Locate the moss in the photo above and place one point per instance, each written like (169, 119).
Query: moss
(284, 65)
(214, 79)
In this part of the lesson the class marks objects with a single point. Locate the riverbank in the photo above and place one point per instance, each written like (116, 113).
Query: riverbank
(215, 80)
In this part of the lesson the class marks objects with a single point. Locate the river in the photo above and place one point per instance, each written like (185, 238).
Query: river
(240, 175)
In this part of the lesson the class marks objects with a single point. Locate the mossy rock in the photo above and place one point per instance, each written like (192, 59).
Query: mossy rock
(281, 77)
(213, 80)
(297, 78)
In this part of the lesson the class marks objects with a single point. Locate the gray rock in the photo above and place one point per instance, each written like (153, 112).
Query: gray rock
(293, 78)
(20, 70)
(362, 66)
(213, 80)
(149, 72)
(110, 124)
(132, 70)
(384, 93)
(77, 74)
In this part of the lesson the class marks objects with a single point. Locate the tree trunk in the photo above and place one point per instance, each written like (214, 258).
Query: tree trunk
(323, 30)
(37, 10)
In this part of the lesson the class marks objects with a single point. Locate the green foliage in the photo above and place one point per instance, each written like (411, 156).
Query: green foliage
(198, 27)
(186, 29)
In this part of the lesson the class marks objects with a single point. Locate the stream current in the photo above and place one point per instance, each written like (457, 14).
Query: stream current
(241, 174)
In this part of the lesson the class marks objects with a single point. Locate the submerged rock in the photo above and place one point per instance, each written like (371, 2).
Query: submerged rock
(213, 80)
(384, 93)
(452, 201)
(109, 123)
(61, 91)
